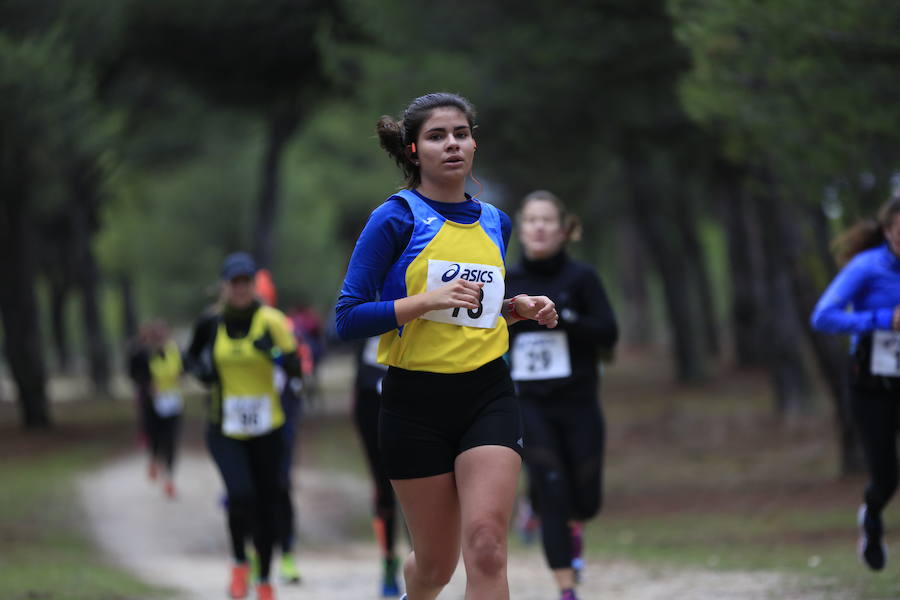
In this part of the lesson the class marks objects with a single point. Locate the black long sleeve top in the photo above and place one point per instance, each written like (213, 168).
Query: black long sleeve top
(585, 315)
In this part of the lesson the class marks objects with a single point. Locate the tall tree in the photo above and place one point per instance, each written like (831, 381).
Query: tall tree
(261, 57)
(47, 105)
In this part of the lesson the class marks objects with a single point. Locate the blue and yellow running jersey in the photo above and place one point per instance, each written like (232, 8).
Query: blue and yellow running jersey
(250, 403)
(453, 340)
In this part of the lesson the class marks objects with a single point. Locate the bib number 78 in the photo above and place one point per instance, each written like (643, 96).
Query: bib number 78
(473, 314)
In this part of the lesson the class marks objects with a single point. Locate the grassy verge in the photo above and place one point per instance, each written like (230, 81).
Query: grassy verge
(45, 552)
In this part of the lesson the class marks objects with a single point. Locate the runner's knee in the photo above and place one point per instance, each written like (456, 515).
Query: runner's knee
(486, 547)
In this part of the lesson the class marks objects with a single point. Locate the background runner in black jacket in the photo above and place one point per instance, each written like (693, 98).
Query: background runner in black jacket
(557, 378)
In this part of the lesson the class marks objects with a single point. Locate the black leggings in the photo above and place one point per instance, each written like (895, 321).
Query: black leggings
(250, 469)
(877, 413)
(564, 441)
(365, 412)
(162, 434)
(291, 403)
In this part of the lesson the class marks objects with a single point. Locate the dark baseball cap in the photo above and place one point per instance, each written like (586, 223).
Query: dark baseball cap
(238, 264)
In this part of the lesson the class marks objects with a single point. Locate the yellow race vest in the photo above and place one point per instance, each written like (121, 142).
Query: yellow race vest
(449, 340)
(250, 403)
(166, 369)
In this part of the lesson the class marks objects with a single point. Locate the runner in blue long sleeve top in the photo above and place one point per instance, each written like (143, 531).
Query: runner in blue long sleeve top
(380, 244)
(870, 285)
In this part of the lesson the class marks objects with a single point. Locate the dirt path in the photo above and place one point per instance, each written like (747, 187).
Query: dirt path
(183, 545)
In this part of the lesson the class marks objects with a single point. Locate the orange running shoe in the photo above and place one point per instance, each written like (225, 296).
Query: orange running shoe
(169, 490)
(264, 591)
(239, 576)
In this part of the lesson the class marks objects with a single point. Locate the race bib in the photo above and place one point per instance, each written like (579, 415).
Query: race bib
(247, 415)
(441, 272)
(540, 355)
(167, 404)
(370, 353)
(886, 353)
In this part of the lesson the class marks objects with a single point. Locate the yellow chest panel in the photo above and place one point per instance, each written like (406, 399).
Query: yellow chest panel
(452, 340)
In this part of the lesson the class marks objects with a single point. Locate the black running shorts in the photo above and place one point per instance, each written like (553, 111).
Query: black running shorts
(428, 419)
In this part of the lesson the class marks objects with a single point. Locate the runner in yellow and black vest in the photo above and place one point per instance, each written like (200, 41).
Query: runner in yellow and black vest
(235, 351)
(155, 366)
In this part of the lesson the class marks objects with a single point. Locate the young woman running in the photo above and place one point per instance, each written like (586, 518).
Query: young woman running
(366, 406)
(557, 378)
(235, 350)
(427, 273)
(155, 367)
(869, 283)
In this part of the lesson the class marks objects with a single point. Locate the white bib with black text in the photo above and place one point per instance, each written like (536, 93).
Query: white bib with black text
(886, 353)
(167, 404)
(247, 415)
(540, 355)
(441, 272)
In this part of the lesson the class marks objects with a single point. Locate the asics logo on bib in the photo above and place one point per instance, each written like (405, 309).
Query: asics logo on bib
(473, 275)
(451, 273)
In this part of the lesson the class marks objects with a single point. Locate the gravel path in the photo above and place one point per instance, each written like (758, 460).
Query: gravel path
(182, 544)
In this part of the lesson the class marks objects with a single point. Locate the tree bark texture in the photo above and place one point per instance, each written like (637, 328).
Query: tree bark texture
(784, 328)
(746, 266)
(632, 263)
(648, 213)
(18, 304)
(282, 123)
(83, 180)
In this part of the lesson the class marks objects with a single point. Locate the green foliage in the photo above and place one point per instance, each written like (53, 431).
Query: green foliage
(806, 86)
(47, 101)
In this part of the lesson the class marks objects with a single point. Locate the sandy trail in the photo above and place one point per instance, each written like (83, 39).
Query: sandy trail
(182, 544)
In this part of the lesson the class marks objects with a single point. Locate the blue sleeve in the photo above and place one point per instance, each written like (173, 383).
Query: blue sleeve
(359, 313)
(505, 228)
(830, 314)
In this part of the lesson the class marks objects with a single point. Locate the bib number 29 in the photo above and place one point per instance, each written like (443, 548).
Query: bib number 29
(473, 314)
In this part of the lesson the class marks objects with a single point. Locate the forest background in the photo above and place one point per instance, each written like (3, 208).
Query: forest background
(712, 149)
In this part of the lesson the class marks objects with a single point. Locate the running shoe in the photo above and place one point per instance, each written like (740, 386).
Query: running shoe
(264, 591)
(403, 597)
(568, 595)
(287, 569)
(389, 586)
(240, 574)
(169, 490)
(872, 550)
(152, 470)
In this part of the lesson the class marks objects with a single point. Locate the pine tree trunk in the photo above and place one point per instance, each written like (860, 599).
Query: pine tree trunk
(18, 304)
(82, 212)
(282, 123)
(671, 264)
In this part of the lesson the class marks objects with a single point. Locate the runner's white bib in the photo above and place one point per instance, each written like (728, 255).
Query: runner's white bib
(167, 404)
(540, 355)
(886, 353)
(441, 272)
(247, 415)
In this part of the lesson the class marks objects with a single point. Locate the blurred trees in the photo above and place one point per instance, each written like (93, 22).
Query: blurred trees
(701, 141)
(805, 99)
